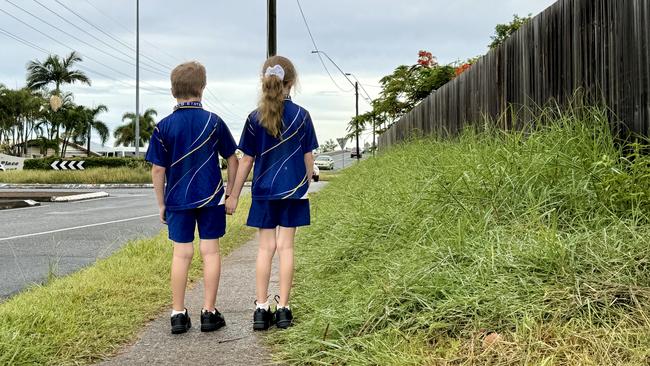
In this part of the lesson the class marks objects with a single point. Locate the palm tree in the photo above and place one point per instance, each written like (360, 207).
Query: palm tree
(125, 134)
(92, 123)
(19, 110)
(55, 70)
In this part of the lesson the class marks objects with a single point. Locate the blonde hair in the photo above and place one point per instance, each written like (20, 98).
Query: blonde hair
(188, 80)
(271, 105)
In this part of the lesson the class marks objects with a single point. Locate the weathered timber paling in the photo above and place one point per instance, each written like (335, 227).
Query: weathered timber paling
(601, 47)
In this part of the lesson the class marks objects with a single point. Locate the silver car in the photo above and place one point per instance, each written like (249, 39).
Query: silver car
(324, 162)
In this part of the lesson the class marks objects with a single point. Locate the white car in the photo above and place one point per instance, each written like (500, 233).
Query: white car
(316, 174)
(324, 162)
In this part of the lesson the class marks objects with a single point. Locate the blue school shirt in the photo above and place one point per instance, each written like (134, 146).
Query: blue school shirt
(280, 171)
(188, 143)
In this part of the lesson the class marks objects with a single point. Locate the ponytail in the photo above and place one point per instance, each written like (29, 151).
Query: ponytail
(278, 73)
(271, 105)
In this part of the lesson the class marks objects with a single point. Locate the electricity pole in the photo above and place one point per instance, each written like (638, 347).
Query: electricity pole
(137, 78)
(356, 127)
(272, 30)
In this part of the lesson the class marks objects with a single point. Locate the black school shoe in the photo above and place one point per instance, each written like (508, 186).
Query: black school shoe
(181, 323)
(262, 319)
(211, 321)
(283, 318)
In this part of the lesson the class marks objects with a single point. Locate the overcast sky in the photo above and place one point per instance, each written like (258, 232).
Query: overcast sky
(366, 37)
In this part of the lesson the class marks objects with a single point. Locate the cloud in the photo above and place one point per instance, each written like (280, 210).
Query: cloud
(367, 37)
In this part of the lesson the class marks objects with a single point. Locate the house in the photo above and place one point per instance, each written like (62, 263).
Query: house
(36, 149)
(119, 151)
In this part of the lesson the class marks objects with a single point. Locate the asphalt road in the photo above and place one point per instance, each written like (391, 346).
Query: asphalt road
(342, 159)
(60, 238)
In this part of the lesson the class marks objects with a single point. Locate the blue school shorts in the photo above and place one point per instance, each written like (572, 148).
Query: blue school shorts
(210, 220)
(269, 214)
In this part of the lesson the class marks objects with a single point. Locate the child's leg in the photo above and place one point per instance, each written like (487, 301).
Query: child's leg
(181, 262)
(211, 271)
(264, 261)
(285, 250)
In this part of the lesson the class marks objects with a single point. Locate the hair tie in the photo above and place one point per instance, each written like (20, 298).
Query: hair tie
(276, 71)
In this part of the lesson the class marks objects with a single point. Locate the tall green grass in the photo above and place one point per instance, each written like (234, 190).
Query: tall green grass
(89, 315)
(414, 257)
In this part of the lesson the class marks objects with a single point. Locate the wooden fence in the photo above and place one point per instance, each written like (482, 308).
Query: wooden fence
(599, 46)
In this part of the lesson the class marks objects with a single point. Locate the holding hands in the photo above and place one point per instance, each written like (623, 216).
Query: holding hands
(231, 205)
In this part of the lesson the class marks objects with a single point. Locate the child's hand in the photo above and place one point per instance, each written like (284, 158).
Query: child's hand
(231, 205)
(163, 218)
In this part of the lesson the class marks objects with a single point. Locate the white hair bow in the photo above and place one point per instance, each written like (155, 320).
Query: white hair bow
(276, 70)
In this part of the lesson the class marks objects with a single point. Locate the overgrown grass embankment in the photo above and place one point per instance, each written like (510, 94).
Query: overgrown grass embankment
(90, 314)
(88, 176)
(417, 256)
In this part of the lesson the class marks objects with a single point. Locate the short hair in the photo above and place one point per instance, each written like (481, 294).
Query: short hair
(188, 80)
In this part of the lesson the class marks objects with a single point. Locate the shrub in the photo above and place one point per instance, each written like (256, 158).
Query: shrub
(92, 162)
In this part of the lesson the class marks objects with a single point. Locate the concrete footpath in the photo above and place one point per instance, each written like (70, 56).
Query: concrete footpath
(235, 344)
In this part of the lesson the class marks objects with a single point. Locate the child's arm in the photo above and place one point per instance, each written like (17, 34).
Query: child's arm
(309, 164)
(158, 178)
(245, 166)
(233, 165)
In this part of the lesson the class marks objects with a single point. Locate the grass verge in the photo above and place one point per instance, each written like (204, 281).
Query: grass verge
(87, 316)
(98, 176)
(490, 249)
(88, 176)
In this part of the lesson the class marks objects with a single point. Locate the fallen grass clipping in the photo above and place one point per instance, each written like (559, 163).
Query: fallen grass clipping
(489, 249)
(88, 176)
(89, 315)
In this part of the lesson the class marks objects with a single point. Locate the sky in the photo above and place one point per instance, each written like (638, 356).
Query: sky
(368, 38)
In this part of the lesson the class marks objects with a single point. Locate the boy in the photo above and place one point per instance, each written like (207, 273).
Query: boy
(184, 150)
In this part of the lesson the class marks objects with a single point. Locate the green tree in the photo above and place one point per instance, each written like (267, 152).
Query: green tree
(355, 127)
(55, 70)
(84, 131)
(504, 31)
(329, 146)
(19, 111)
(125, 134)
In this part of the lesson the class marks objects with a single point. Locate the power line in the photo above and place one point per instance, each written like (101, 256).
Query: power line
(72, 49)
(43, 50)
(66, 33)
(221, 103)
(128, 46)
(121, 25)
(100, 40)
(320, 57)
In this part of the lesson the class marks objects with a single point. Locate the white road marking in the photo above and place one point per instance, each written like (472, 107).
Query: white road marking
(77, 227)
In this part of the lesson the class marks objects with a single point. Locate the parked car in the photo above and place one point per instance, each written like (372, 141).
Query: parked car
(316, 174)
(355, 153)
(324, 162)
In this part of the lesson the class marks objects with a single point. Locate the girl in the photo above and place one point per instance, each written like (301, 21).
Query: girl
(279, 138)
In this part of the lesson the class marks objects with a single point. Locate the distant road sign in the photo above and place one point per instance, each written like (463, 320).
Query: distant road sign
(68, 165)
(342, 141)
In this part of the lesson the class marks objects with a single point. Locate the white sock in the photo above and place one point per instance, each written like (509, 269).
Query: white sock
(213, 311)
(264, 306)
(174, 312)
(284, 307)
